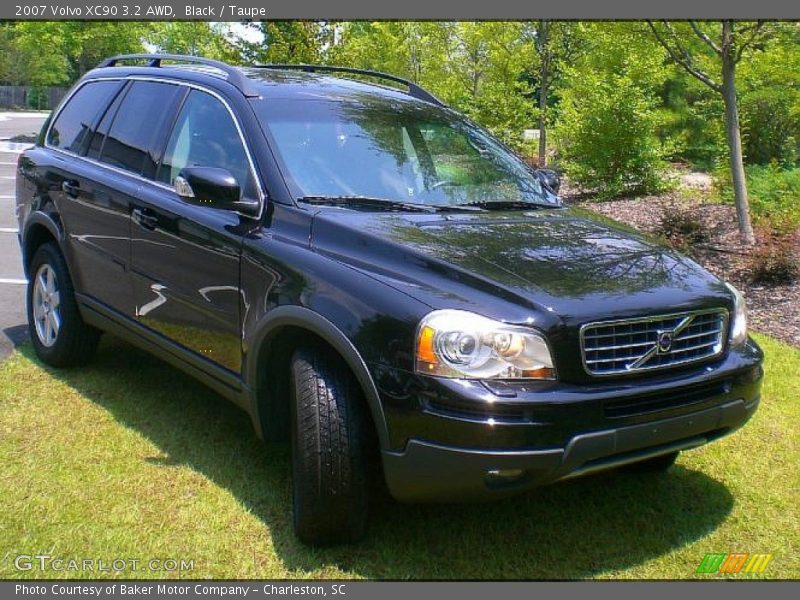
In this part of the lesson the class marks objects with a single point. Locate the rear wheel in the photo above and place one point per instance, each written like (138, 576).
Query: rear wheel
(329, 450)
(58, 333)
(656, 464)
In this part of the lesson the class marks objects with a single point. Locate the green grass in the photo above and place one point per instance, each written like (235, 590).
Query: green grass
(129, 458)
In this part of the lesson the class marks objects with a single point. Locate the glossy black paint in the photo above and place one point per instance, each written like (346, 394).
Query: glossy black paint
(210, 290)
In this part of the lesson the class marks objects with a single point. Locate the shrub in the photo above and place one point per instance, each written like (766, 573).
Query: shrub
(774, 195)
(682, 228)
(607, 137)
(775, 260)
(770, 128)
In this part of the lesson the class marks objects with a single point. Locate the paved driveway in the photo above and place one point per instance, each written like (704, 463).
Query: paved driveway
(12, 278)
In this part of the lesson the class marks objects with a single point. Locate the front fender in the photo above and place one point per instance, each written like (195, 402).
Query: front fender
(297, 316)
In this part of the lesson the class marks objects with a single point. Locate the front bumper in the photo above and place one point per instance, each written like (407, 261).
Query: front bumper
(426, 472)
(567, 430)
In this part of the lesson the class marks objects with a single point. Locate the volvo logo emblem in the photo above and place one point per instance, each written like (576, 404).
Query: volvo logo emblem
(664, 344)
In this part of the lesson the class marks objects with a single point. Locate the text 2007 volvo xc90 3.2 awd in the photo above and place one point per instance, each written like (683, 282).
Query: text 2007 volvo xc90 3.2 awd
(373, 277)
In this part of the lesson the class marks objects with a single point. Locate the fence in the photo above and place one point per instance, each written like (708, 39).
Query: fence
(33, 97)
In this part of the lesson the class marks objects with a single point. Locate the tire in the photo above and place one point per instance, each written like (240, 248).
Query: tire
(57, 331)
(657, 464)
(329, 440)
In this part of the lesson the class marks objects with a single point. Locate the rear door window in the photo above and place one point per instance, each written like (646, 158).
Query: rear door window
(73, 124)
(136, 137)
(99, 135)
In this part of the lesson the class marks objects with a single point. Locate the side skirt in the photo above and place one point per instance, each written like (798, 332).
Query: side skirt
(218, 379)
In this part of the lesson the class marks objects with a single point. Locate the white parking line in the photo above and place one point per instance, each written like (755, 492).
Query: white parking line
(9, 230)
(6, 197)
(13, 164)
(13, 281)
(14, 147)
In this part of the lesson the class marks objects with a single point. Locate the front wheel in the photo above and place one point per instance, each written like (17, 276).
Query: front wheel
(329, 450)
(58, 333)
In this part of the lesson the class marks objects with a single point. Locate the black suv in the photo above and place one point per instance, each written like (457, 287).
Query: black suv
(372, 276)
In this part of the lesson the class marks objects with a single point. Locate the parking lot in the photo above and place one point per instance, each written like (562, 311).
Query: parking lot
(12, 277)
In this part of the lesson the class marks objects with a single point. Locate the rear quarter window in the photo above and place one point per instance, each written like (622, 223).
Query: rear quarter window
(76, 120)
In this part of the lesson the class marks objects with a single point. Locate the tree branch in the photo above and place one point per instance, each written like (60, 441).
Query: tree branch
(702, 35)
(683, 58)
(754, 30)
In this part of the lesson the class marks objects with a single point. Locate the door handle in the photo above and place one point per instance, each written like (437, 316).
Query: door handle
(71, 188)
(145, 217)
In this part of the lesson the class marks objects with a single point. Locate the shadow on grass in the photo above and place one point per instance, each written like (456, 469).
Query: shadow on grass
(576, 529)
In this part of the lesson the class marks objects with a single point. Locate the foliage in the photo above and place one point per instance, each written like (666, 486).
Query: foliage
(774, 195)
(195, 38)
(770, 99)
(287, 42)
(608, 115)
(59, 52)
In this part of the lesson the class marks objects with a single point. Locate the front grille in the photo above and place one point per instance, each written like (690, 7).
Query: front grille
(634, 345)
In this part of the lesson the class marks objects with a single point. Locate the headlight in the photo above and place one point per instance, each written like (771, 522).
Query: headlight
(738, 326)
(460, 344)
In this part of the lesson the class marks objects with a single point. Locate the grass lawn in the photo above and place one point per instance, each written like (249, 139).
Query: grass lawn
(128, 458)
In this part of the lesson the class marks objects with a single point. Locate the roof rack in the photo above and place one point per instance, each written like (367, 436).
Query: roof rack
(237, 78)
(414, 90)
(234, 75)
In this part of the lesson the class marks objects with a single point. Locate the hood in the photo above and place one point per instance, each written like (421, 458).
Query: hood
(568, 262)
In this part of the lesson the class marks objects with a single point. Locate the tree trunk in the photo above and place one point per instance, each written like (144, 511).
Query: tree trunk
(544, 76)
(734, 135)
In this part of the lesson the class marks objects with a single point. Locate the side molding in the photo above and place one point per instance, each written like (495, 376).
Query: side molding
(304, 318)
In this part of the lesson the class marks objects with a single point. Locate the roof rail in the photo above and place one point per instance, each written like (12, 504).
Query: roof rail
(414, 90)
(234, 75)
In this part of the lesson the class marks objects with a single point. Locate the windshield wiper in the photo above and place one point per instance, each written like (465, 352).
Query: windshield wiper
(385, 204)
(510, 205)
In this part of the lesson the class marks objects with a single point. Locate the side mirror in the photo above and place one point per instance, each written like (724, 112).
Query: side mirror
(550, 178)
(214, 187)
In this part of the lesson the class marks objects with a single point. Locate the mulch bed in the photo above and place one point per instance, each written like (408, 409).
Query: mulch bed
(773, 309)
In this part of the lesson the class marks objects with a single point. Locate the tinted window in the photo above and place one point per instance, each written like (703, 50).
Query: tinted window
(206, 136)
(74, 122)
(99, 135)
(134, 141)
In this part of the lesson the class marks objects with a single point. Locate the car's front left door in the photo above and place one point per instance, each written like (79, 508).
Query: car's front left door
(185, 257)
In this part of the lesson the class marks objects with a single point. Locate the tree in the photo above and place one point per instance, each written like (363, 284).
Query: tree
(195, 38)
(556, 43)
(60, 52)
(723, 54)
(545, 51)
(608, 113)
(292, 42)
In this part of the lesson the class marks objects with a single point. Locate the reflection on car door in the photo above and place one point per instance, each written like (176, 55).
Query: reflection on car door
(91, 199)
(185, 258)
(121, 152)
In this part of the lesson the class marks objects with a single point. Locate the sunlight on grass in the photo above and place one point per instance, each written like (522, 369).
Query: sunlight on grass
(128, 458)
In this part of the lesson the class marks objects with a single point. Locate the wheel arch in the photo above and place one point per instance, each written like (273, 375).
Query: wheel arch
(288, 320)
(39, 229)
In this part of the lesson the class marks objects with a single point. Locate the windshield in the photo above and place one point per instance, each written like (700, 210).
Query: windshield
(399, 151)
